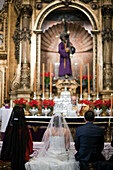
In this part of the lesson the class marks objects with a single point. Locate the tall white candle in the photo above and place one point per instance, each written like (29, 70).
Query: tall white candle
(6, 81)
(35, 79)
(88, 81)
(50, 78)
(97, 81)
(80, 79)
(43, 72)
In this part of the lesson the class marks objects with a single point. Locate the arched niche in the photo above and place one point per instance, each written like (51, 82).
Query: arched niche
(38, 29)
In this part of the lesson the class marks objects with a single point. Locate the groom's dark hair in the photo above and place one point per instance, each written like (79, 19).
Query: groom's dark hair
(89, 116)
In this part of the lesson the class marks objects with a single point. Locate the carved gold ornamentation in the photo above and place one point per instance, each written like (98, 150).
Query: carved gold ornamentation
(70, 84)
(25, 68)
(25, 77)
(108, 134)
(15, 84)
(107, 77)
(107, 38)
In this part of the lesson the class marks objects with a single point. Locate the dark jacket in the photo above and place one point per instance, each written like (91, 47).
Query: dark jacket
(112, 141)
(89, 142)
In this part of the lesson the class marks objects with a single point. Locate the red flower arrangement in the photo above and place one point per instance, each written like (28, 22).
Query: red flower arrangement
(85, 79)
(87, 102)
(107, 104)
(47, 77)
(47, 104)
(88, 105)
(98, 104)
(35, 104)
(21, 102)
(47, 74)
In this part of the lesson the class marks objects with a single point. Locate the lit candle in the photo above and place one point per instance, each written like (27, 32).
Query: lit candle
(88, 80)
(50, 78)
(6, 81)
(111, 104)
(97, 80)
(80, 79)
(43, 71)
(35, 79)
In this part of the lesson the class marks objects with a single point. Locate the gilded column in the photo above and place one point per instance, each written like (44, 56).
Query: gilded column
(25, 38)
(38, 60)
(107, 44)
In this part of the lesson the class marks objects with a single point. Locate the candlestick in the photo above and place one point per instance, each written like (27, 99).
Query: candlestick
(111, 104)
(50, 97)
(43, 98)
(50, 78)
(89, 97)
(34, 98)
(35, 79)
(97, 97)
(97, 80)
(88, 81)
(80, 79)
(6, 81)
(50, 82)
(43, 71)
(81, 97)
(43, 88)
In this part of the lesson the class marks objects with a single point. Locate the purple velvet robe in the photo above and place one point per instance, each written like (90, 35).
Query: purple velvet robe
(64, 70)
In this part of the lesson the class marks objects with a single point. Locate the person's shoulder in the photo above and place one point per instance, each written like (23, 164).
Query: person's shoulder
(80, 127)
(47, 131)
(98, 127)
(2, 108)
(79, 105)
(61, 43)
(66, 131)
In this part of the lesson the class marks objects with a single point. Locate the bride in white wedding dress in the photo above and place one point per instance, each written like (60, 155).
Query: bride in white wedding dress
(57, 152)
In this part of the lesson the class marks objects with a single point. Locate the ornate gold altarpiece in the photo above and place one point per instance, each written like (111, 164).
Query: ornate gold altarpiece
(21, 42)
(21, 32)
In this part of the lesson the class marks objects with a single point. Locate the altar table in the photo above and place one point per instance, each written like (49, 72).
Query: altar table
(75, 121)
(38, 124)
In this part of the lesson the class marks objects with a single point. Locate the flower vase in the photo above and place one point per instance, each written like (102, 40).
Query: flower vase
(45, 111)
(33, 111)
(109, 111)
(97, 112)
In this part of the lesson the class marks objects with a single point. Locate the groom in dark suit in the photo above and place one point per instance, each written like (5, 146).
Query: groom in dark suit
(89, 140)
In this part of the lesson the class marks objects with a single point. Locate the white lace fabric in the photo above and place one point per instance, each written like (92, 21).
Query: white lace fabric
(56, 153)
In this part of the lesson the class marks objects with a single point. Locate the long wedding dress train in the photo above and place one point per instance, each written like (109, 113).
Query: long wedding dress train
(56, 158)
